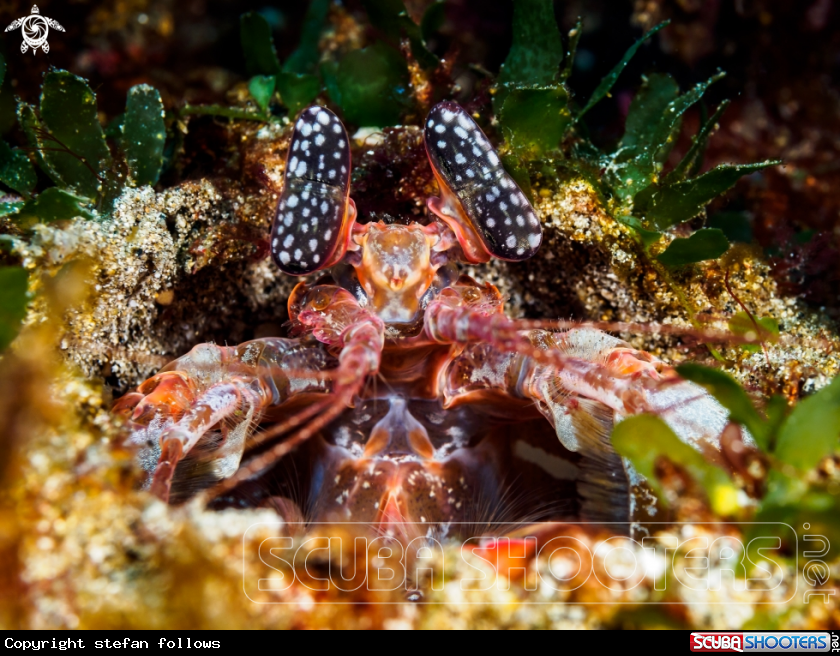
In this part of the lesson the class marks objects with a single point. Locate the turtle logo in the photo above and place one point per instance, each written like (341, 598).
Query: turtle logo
(35, 29)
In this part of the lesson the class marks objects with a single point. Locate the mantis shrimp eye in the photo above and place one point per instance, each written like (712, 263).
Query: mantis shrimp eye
(315, 213)
(481, 203)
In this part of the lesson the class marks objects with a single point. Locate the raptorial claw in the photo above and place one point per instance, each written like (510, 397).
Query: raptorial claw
(315, 214)
(480, 201)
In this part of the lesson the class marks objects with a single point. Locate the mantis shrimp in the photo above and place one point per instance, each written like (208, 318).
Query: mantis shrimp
(403, 394)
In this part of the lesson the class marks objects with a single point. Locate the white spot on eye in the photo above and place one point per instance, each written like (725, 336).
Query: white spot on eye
(534, 239)
(313, 244)
(510, 241)
(288, 220)
(331, 174)
(490, 198)
(341, 143)
(493, 157)
(464, 121)
(343, 169)
(491, 223)
(274, 244)
(532, 219)
(514, 198)
(305, 144)
(314, 202)
(328, 234)
(441, 144)
(460, 159)
(316, 258)
(323, 118)
(284, 257)
(470, 173)
(507, 184)
(292, 201)
(300, 124)
(440, 128)
(520, 221)
(314, 109)
(304, 228)
(337, 128)
(321, 166)
(458, 178)
(298, 253)
(295, 145)
(325, 206)
(503, 205)
(316, 127)
(448, 116)
(320, 139)
(476, 151)
(306, 129)
(306, 211)
(508, 221)
(302, 263)
(293, 163)
(288, 241)
(336, 154)
(314, 222)
(519, 251)
(301, 168)
(430, 124)
(461, 132)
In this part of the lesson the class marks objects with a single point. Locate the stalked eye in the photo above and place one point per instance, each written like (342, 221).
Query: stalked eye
(315, 212)
(481, 203)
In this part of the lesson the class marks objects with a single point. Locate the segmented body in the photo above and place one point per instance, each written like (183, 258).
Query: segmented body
(404, 396)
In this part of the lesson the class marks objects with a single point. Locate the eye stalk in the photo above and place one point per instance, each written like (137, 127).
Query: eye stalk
(315, 214)
(483, 205)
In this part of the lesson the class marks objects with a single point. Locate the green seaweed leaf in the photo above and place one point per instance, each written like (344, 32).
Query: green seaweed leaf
(534, 120)
(811, 430)
(16, 171)
(54, 204)
(392, 19)
(9, 209)
(143, 134)
(370, 86)
(305, 57)
(664, 207)
(537, 49)
(643, 439)
(433, 19)
(261, 88)
(257, 45)
(649, 105)
(635, 168)
(731, 396)
(694, 157)
(297, 90)
(735, 225)
(32, 130)
(14, 282)
(68, 111)
(743, 324)
(571, 49)
(610, 79)
(705, 244)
